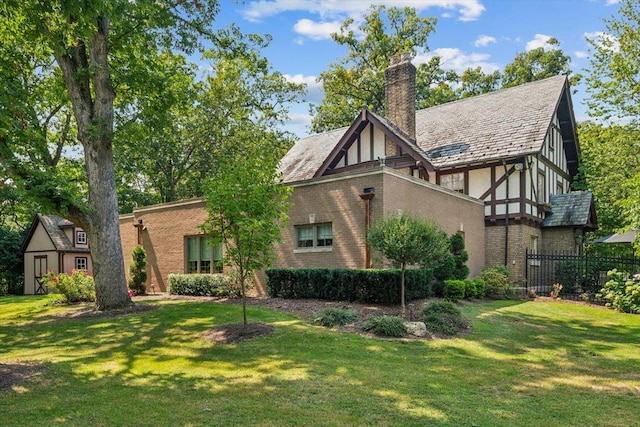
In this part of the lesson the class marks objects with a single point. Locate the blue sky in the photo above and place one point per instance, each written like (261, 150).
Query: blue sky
(469, 33)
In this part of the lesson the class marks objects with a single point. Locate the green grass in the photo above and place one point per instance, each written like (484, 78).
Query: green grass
(542, 364)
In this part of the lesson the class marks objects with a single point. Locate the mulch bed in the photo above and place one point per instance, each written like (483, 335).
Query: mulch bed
(236, 332)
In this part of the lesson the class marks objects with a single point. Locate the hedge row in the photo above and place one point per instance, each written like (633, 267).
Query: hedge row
(370, 286)
(209, 285)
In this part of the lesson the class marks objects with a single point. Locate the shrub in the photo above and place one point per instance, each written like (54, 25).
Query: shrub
(569, 274)
(335, 316)
(389, 326)
(460, 257)
(454, 290)
(478, 287)
(444, 318)
(138, 272)
(210, 285)
(369, 285)
(75, 287)
(621, 293)
(496, 280)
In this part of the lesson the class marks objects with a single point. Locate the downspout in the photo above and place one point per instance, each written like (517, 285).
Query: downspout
(506, 218)
(367, 194)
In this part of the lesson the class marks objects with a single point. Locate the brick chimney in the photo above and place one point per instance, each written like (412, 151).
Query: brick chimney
(400, 93)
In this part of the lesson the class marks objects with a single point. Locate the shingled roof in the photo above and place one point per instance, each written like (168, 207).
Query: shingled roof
(506, 123)
(574, 209)
(54, 226)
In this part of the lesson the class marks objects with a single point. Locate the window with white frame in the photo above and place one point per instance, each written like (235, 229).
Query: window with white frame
(314, 236)
(203, 256)
(453, 181)
(542, 187)
(81, 238)
(81, 263)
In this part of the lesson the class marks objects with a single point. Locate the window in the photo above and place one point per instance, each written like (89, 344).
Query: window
(314, 236)
(203, 256)
(533, 249)
(559, 188)
(453, 181)
(81, 263)
(81, 238)
(542, 194)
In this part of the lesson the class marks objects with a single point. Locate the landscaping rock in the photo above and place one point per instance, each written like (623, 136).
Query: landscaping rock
(417, 329)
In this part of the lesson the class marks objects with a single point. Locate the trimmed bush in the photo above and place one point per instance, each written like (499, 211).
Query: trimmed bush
(444, 318)
(205, 285)
(388, 326)
(496, 280)
(454, 290)
(335, 316)
(368, 285)
(478, 287)
(75, 287)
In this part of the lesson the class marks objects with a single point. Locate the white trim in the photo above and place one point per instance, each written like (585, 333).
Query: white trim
(314, 249)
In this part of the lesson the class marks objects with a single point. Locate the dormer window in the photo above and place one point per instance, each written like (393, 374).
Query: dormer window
(81, 238)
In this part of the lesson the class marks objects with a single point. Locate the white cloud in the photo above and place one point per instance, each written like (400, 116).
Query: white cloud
(455, 59)
(603, 40)
(315, 91)
(316, 30)
(581, 54)
(484, 40)
(612, 2)
(540, 40)
(256, 11)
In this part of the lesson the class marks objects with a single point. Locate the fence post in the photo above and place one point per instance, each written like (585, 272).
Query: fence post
(526, 270)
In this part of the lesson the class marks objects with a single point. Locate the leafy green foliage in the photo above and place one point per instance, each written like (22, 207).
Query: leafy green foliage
(75, 287)
(366, 285)
(615, 67)
(406, 239)
(496, 280)
(569, 274)
(537, 64)
(444, 318)
(206, 285)
(246, 202)
(357, 79)
(11, 263)
(138, 272)
(460, 257)
(621, 292)
(479, 288)
(335, 316)
(387, 326)
(454, 290)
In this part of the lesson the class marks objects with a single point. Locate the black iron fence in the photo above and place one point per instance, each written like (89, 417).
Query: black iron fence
(581, 276)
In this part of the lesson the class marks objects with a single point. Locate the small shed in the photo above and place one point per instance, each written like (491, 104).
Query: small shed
(53, 244)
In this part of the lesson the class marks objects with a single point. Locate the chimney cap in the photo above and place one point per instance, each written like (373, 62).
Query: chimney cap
(401, 57)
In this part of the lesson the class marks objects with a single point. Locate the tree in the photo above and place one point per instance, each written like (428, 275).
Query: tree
(474, 81)
(138, 271)
(358, 79)
(460, 256)
(247, 203)
(612, 84)
(611, 165)
(537, 64)
(406, 239)
(96, 48)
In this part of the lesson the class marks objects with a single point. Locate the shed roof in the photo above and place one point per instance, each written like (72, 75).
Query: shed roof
(54, 227)
(574, 209)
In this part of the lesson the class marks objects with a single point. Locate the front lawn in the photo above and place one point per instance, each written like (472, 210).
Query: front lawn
(524, 364)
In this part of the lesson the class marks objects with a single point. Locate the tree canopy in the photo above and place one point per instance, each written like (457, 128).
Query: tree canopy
(406, 239)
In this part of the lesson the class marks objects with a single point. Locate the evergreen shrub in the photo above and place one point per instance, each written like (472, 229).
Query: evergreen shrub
(353, 285)
(388, 326)
(335, 316)
(444, 318)
(454, 290)
(206, 285)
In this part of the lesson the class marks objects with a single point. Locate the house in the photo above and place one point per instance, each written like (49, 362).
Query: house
(496, 168)
(53, 244)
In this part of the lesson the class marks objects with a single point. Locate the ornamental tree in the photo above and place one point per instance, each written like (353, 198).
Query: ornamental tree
(406, 239)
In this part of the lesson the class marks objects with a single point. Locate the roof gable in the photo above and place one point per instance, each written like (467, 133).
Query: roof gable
(498, 125)
(54, 227)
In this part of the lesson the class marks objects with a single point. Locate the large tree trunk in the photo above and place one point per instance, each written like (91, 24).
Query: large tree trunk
(85, 68)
